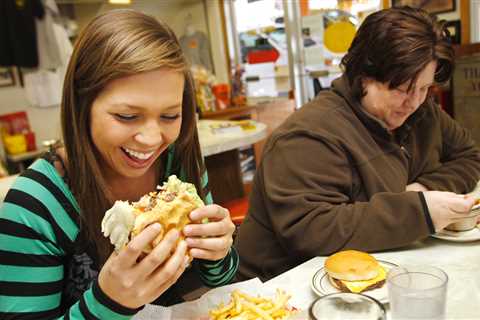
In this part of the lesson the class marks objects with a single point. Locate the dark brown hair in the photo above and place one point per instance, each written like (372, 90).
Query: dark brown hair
(394, 45)
(113, 45)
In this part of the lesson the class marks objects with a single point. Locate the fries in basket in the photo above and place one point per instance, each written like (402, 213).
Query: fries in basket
(245, 307)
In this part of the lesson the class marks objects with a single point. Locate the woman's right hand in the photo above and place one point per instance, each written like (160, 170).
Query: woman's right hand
(447, 207)
(134, 284)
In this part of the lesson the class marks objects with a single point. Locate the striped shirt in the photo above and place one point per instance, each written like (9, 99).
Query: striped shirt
(39, 241)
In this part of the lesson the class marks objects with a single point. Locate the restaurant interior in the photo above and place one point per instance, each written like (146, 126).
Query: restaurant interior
(254, 64)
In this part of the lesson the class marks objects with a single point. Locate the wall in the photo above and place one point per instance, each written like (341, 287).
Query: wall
(45, 122)
(219, 56)
(454, 15)
(203, 14)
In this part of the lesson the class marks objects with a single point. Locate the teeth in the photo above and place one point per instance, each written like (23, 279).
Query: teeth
(139, 155)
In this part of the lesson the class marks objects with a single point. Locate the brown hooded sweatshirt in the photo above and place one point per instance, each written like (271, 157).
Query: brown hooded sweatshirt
(332, 177)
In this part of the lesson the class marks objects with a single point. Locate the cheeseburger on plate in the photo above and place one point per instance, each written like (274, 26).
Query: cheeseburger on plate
(170, 206)
(354, 271)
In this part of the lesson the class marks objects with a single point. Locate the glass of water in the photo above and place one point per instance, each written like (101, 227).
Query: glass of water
(351, 306)
(417, 292)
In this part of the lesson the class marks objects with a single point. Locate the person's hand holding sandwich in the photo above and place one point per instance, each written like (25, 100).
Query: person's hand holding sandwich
(156, 238)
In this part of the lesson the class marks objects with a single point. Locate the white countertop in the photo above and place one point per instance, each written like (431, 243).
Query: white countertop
(461, 261)
(213, 143)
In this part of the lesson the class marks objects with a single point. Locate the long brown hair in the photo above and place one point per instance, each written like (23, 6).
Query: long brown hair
(394, 45)
(113, 45)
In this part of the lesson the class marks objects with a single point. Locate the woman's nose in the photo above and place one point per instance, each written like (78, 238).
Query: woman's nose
(414, 99)
(150, 135)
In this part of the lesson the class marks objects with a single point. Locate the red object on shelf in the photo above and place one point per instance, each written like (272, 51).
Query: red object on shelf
(261, 56)
(222, 95)
(17, 123)
(238, 209)
(30, 138)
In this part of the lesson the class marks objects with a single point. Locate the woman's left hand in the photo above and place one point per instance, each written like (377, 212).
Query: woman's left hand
(212, 240)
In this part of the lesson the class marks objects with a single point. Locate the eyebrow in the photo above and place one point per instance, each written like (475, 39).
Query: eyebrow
(175, 106)
(425, 85)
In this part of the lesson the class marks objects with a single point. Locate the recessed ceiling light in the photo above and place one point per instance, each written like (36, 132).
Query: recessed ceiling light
(119, 1)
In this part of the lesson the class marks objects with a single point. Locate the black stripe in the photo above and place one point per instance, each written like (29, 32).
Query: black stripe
(23, 199)
(84, 310)
(229, 263)
(20, 230)
(105, 300)
(67, 315)
(27, 289)
(55, 190)
(29, 260)
(426, 213)
(206, 190)
(44, 315)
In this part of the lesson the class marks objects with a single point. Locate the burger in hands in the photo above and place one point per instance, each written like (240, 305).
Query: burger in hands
(354, 271)
(170, 206)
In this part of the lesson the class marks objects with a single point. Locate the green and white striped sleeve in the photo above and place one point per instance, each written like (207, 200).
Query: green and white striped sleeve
(38, 226)
(221, 272)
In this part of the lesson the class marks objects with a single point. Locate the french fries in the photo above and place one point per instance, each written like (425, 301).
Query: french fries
(245, 307)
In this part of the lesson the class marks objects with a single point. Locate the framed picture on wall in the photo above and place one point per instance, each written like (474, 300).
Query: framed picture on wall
(454, 30)
(431, 6)
(6, 77)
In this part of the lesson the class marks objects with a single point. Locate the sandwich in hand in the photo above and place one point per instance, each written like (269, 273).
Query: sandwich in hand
(170, 206)
(354, 271)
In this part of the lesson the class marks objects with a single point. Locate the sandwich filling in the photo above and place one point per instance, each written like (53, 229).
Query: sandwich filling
(170, 206)
(361, 285)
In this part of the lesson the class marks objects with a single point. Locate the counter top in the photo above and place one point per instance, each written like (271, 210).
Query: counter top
(213, 143)
(460, 261)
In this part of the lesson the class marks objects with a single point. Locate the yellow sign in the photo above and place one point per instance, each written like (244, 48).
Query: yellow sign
(338, 36)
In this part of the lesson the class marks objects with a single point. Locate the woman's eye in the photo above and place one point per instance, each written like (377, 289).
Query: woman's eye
(125, 117)
(171, 117)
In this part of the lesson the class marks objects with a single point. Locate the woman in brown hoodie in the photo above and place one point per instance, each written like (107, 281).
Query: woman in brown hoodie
(371, 164)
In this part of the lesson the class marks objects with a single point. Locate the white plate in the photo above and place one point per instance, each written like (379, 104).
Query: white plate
(459, 236)
(322, 286)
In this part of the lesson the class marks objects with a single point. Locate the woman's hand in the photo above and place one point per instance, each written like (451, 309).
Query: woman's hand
(212, 240)
(134, 283)
(447, 207)
(416, 187)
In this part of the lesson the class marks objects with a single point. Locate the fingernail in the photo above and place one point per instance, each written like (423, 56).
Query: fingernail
(187, 229)
(186, 261)
(174, 233)
(157, 226)
(193, 215)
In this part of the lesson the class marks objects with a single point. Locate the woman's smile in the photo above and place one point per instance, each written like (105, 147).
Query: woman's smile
(139, 160)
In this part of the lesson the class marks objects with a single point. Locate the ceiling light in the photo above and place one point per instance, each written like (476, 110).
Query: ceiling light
(119, 1)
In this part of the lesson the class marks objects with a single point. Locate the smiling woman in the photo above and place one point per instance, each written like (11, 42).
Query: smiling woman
(128, 123)
(143, 114)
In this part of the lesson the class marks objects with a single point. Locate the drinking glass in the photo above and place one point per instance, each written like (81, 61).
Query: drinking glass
(341, 306)
(417, 292)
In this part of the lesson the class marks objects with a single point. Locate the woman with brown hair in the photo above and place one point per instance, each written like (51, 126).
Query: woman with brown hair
(366, 164)
(128, 122)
